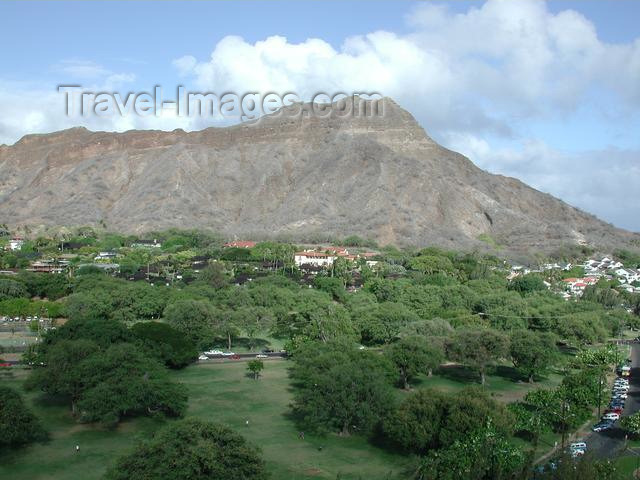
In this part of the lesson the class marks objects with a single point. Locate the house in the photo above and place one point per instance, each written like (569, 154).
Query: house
(106, 267)
(16, 243)
(627, 275)
(577, 285)
(594, 266)
(339, 251)
(314, 258)
(105, 256)
(48, 266)
(146, 244)
(240, 244)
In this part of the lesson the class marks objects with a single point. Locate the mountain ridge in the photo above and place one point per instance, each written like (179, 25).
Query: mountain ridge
(378, 177)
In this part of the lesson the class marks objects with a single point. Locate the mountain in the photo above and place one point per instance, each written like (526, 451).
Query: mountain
(379, 177)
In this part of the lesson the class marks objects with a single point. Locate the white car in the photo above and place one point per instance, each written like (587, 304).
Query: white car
(578, 446)
(621, 395)
(262, 355)
(576, 453)
(214, 352)
(226, 354)
(203, 357)
(611, 416)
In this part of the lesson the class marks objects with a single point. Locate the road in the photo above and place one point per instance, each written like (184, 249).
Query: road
(609, 443)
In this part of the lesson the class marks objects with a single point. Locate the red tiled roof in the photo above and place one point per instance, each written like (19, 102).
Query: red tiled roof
(240, 244)
(313, 254)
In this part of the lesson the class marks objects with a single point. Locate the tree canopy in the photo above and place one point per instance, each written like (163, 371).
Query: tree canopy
(191, 450)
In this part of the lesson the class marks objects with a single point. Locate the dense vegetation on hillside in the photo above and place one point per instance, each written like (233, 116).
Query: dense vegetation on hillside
(357, 334)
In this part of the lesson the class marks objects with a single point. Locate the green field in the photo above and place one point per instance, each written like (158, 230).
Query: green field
(223, 393)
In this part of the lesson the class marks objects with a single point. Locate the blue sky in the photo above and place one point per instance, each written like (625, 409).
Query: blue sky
(548, 92)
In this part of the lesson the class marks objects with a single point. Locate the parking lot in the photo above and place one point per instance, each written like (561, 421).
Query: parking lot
(609, 443)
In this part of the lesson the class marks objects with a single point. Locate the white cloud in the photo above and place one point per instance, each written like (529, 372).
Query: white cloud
(604, 182)
(469, 78)
(486, 70)
(82, 69)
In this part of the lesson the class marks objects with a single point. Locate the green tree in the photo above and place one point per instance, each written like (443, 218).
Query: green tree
(168, 344)
(532, 353)
(478, 348)
(18, 425)
(255, 367)
(384, 323)
(121, 381)
(527, 283)
(415, 425)
(191, 450)
(194, 318)
(586, 467)
(430, 264)
(105, 385)
(253, 320)
(61, 374)
(414, 355)
(214, 274)
(333, 286)
(631, 424)
(12, 289)
(101, 332)
(485, 454)
(340, 388)
(529, 421)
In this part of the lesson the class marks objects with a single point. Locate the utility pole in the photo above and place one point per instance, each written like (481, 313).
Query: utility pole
(564, 422)
(600, 382)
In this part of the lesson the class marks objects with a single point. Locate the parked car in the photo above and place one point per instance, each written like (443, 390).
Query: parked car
(621, 396)
(611, 416)
(203, 357)
(578, 446)
(214, 352)
(617, 410)
(576, 453)
(601, 426)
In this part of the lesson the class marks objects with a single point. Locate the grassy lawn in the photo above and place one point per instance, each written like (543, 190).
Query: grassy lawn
(628, 465)
(219, 392)
(503, 383)
(222, 392)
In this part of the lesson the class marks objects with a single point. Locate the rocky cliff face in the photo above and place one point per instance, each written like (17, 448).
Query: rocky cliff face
(378, 177)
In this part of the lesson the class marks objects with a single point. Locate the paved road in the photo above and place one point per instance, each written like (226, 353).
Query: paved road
(609, 443)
